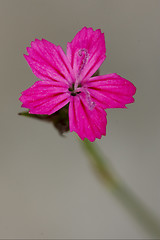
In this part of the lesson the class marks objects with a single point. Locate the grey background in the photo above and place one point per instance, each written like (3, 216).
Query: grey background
(48, 188)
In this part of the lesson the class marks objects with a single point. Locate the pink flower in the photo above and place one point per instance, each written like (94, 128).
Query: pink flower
(68, 79)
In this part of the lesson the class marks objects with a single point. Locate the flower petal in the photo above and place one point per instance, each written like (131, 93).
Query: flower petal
(48, 61)
(86, 123)
(45, 97)
(110, 91)
(86, 52)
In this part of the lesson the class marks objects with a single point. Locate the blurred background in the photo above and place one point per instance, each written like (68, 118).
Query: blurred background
(48, 187)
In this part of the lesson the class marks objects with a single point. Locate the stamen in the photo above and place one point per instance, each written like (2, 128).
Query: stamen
(83, 53)
(91, 104)
(82, 57)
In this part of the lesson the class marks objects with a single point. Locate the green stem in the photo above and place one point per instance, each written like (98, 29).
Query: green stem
(110, 179)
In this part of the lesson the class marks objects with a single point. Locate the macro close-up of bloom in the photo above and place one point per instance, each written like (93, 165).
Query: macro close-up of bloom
(68, 79)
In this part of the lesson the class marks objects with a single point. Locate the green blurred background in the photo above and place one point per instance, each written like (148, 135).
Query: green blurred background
(48, 188)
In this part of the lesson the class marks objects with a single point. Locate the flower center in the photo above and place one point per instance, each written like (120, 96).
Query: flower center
(74, 91)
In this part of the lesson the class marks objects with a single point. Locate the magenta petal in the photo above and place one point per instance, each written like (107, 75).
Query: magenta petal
(48, 61)
(86, 52)
(86, 123)
(45, 97)
(111, 91)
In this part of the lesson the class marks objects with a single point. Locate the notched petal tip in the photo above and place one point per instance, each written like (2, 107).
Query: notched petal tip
(25, 56)
(35, 41)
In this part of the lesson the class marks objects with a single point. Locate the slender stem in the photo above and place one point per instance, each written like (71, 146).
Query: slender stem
(119, 189)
